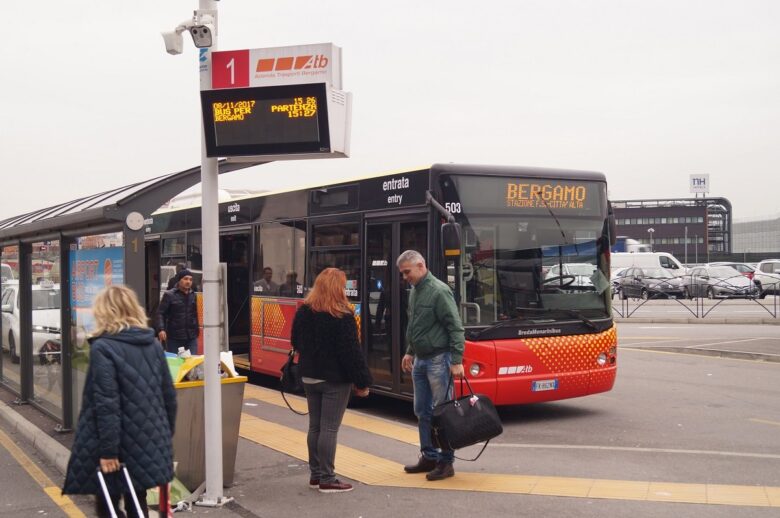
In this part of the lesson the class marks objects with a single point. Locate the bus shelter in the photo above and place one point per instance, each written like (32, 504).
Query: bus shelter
(54, 261)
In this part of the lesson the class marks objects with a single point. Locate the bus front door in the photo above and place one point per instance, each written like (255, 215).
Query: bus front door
(385, 308)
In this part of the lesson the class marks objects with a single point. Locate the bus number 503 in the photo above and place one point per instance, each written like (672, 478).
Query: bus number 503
(453, 207)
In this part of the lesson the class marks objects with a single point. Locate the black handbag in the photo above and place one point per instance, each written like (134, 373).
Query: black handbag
(466, 420)
(290, 381)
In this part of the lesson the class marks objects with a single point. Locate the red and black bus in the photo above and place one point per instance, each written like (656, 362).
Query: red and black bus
(525, 250)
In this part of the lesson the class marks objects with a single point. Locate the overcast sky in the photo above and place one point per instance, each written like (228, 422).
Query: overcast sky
(646, 92)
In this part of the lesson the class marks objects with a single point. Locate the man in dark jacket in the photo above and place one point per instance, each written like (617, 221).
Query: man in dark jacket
(434, 353)
(177, 318)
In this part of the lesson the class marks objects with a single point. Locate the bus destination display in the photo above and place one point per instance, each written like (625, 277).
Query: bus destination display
(265, 120)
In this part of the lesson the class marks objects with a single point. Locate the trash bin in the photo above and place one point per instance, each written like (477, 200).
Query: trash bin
(189, 441)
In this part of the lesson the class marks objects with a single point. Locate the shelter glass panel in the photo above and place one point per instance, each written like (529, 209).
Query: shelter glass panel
(46, 326)
(10, 372)
(96, 261)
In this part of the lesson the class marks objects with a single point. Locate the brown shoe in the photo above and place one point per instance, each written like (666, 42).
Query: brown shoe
(424, 465)
(443, 470)
(336, 486)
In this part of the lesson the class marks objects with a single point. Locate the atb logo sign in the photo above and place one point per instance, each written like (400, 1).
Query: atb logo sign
(292, 63)
(277, 66)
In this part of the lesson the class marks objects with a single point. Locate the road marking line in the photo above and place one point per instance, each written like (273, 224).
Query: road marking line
(644, 450)
(373, 470)
(725, 342)
(54, 492)
(763, 421)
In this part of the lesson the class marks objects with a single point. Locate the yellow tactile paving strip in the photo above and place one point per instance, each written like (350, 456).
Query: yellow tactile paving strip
(373, 470)
(366, 423)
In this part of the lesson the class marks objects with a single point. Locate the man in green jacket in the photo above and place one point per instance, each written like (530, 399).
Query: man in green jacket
(434, 352)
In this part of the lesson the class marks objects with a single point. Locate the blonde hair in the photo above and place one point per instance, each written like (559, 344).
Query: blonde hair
(327, 295)
(117, 308)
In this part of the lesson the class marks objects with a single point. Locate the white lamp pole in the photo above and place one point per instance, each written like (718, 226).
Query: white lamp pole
(650, 231)
(212, 398)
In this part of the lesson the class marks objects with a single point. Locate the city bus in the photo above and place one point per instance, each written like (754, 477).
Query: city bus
(491, 233)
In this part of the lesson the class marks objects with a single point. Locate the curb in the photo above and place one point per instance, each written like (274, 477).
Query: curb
(54, 452)
(735, 355)
(713, 320)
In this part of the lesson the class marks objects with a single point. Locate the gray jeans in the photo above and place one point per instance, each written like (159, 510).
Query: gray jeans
(327, 403)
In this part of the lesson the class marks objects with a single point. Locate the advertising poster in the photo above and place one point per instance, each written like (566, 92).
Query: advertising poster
(90, 271)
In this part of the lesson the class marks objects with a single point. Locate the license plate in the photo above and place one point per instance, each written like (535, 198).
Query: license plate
(538, 386)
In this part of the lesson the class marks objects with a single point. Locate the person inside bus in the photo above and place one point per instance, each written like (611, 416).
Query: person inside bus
(265, 285)
(434, 355)
(177, 317)
(291, 288)
(325, 334)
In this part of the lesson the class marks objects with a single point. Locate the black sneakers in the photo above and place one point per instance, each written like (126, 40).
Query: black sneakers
(336, 486)
(424, 465)
(443, 470)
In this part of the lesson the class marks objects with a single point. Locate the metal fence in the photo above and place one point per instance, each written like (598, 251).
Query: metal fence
(695, 297)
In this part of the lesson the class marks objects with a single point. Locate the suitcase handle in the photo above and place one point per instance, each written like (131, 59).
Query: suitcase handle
(130, 488)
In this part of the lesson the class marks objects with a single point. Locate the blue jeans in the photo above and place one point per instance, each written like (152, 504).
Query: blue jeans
(172, 345)
(431, 376)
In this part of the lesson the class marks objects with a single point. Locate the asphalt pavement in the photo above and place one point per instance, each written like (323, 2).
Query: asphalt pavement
(679, 435)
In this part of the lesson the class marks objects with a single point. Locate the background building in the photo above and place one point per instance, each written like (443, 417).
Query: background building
(691, 229)
(757, 236)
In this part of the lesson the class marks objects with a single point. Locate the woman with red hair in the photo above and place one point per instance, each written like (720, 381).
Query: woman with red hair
(331, 363)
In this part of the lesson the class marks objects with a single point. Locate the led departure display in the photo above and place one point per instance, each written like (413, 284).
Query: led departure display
(266, 120)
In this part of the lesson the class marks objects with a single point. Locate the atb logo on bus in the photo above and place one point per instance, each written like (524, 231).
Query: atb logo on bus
(516, 369)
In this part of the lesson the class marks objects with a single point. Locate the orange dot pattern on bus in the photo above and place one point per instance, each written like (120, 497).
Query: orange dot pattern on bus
(269, 318)
(576, 354)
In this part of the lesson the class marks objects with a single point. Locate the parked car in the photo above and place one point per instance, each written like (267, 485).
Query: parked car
(767, 277)
(617, 275)
(46, 335)
(743, 268)
(580, 272)
(650, 283)
(720, 282)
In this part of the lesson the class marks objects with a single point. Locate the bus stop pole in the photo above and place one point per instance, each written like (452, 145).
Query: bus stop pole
(213, 495)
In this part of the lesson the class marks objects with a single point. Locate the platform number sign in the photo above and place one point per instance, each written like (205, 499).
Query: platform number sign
(230, 69)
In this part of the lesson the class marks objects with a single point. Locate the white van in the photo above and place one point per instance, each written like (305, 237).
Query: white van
(6, 273)
(646, 260)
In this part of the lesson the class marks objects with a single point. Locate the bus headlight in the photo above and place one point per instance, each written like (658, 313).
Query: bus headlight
(602, 359)
(474, 369)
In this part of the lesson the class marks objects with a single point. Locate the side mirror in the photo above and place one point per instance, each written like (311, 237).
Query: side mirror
(450, 239)
(612, 225)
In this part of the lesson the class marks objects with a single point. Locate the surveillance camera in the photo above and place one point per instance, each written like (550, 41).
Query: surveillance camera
(173, 42)
(202, 35)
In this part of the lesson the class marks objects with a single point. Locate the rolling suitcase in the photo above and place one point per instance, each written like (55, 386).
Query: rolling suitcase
(130, 489)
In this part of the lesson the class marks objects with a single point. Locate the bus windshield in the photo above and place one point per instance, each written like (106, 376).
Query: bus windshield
(530, 258)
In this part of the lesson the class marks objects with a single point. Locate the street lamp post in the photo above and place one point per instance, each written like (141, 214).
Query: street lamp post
(650, 231)
(203, 28)
(686, 244)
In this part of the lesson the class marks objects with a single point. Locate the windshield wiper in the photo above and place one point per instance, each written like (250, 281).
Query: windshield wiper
(497, 325)
(570, 312)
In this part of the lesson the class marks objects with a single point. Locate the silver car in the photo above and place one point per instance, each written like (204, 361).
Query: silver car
(719, 282)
